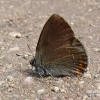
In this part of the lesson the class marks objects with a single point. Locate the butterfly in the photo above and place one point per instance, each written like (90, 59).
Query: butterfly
(58, 52)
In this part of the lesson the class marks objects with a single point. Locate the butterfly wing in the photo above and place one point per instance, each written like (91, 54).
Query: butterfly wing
(58, 50)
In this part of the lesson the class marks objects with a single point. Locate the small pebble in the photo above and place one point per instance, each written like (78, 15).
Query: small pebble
(29, 54)
(81, 83)
(9, 66)
(9, 78)
(62, 90)
(25, 56)
(96, 49)
(85, 97)
(2, 82)
(79, 37)
(98, 86)
(15, 34)
(1, 43)
(72, 23)
(90, 37)
(12, 85)
(1, 56)
(98, 95)
(7, 85)
(89, 10)
(87, 75)
(28, 80)
(40, 91)
(10, 90)
(2, 48)
(47, 99)
(14, 49)
(55, 89)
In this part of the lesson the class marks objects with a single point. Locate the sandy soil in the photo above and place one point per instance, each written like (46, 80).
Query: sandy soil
(25, 19)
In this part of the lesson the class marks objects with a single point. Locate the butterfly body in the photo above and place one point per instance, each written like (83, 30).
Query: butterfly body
(58, 52)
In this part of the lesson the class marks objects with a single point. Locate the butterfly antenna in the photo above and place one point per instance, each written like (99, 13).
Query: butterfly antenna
(40, 75)
(51, 75)
(30, 49)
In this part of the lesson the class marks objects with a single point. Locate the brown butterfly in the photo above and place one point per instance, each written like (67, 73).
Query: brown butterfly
(58, 52)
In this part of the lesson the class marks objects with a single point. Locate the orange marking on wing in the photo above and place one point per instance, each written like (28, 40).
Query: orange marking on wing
(81, 65)
(78, 72)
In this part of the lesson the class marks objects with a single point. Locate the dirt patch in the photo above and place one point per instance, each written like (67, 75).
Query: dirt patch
(26, 19)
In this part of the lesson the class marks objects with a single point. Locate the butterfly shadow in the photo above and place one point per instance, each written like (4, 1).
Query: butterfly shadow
(30, 72)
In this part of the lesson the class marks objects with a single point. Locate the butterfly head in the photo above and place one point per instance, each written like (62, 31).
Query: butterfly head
(39, 69)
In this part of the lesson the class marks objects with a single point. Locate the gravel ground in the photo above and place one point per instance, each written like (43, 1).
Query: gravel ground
(21, 22)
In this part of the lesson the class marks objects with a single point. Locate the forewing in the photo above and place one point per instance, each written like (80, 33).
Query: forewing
(55, 33)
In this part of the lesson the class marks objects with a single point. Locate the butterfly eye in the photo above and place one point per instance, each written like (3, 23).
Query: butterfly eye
(33, 62)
